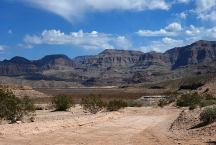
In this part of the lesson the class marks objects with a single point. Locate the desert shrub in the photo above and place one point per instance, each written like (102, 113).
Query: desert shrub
(207, 100)
(163, 102)
(62, 102)
(169, 97)
(208, 115)
(13, 108)
(93, 104)
(115, 105)
(209, 97)
(205, 103)
(27, 105)
(189, 100)
(193, 100)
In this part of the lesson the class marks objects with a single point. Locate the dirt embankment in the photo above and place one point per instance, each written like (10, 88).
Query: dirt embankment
(188, 129)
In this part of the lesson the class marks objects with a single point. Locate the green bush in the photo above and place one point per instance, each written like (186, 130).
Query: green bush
(93, 104)
(62, 102)
(115, 105)
(209, 97)
(208, 115)
(205, 103)
(170, 97)
(207, 100)
(189, 100)
(27, 105)
(13, 108)
(163, 102)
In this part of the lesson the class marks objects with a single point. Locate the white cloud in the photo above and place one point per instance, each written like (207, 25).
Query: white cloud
(150, 33)
(93, 40)
(2, 47)
(33, 39)
(174, 27)
(206, 9)
(162, 45)
(193, 31)
(186, 36)
(183, 15)
(169, 30)
(121, 42)
(197, 33)
(74, 9)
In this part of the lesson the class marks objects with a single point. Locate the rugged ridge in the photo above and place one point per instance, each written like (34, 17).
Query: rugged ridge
(117, 67)
(196, 53)
(54, 62)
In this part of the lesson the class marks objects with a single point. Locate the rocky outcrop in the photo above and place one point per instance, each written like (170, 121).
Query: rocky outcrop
(110, 58)
(196, 53)
(17, 66)
(54, 62)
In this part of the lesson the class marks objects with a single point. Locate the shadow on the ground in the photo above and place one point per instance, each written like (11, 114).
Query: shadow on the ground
(202, 124)
(211, 142)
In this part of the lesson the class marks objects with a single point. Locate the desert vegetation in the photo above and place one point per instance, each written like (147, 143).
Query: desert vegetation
(13, 108)
(208, 115)
(191, 100)
(62, 102)
(169, 97)
(92, 104)
(115, 105)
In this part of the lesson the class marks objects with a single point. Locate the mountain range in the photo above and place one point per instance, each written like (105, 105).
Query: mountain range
(117, 67)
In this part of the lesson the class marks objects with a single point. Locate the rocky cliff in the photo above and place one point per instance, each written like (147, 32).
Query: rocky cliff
(117, 67)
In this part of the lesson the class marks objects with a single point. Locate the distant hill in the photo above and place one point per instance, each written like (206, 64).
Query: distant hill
(117, 67)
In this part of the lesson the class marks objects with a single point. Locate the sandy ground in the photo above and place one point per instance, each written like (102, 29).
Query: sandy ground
(130, 126)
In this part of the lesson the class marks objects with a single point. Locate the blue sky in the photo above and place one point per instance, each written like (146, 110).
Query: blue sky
(34, 28)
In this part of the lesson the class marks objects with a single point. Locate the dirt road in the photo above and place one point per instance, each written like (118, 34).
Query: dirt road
(131, 126)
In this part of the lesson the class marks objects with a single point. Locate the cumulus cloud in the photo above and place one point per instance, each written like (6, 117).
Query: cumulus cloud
(162, 44)
(197, 33)
(74, 9)
(92, 40)
(187, 35)
(169, 30)
(174, 27)
(206, 9)
(183, 15)
(122, 42)
(193, 31)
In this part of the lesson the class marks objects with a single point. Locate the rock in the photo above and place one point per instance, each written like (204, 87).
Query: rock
(114, 67)
(18, 122)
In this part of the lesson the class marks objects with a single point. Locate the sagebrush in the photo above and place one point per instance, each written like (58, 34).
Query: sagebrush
(115, 105)
(93, 104)
(208, 115)
(13, 108)
(62, 102)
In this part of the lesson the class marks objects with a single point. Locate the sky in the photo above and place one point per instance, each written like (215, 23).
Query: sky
(35, 28)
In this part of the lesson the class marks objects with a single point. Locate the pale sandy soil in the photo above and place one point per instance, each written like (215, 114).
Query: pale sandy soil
(131, 126)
